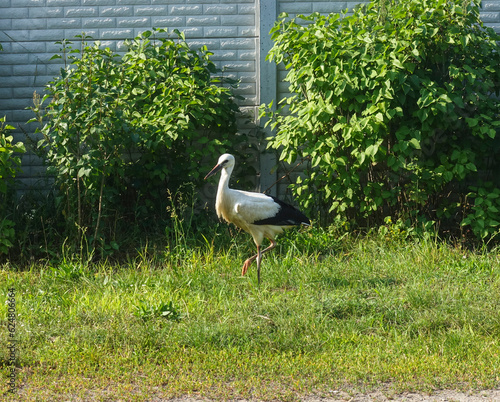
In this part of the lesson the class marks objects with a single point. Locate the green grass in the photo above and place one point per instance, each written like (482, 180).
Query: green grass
(331, 313)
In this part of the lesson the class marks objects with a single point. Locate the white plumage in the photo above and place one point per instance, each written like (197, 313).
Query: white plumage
(260, 215)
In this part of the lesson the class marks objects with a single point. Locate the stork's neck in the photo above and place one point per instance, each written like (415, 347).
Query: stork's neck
(223, 194)
(225, 175)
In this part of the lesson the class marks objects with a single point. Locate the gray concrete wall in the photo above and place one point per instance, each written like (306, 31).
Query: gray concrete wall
(236, 31)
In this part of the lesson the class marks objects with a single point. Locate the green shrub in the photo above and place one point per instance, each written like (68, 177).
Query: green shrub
(120, 131)
(9, 166)
(392, 109)
(483, 214)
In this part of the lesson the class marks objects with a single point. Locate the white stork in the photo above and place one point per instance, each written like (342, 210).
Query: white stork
(261, 215)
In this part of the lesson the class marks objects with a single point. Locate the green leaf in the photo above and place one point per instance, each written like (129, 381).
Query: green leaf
(83, 172)
(472, 167)
(415, 143)
(472, 122)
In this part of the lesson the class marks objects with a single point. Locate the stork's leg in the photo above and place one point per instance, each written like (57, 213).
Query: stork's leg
(271, 246)
(248, 262)
(259, 259)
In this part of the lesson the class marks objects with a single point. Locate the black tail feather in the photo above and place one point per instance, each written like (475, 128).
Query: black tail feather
(287, 215)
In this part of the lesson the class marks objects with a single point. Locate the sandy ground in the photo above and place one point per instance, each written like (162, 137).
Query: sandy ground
(335, 396)
(455, 396)
(379, 396)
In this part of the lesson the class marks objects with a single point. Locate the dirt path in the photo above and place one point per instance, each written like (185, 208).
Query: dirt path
(440, 396)
(379, 396)
(336, 396)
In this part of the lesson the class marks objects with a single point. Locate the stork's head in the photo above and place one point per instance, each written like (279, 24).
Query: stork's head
(225, 161)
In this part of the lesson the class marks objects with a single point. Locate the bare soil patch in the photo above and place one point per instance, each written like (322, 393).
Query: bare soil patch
(380, 396)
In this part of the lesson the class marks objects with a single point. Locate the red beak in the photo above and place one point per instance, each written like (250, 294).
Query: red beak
(214, 170)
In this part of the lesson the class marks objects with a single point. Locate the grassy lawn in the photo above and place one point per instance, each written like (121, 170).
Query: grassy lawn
(332, 313)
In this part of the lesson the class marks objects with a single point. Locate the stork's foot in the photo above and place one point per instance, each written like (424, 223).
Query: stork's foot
(246, 265)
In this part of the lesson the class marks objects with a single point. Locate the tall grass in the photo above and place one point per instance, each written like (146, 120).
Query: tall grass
(333, 312)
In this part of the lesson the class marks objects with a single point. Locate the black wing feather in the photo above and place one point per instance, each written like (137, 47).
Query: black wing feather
(287, 215)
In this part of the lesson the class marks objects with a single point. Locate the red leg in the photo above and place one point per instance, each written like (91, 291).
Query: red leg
(248, 262)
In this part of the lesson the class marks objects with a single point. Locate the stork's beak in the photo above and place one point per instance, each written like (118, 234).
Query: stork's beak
(214, 170)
